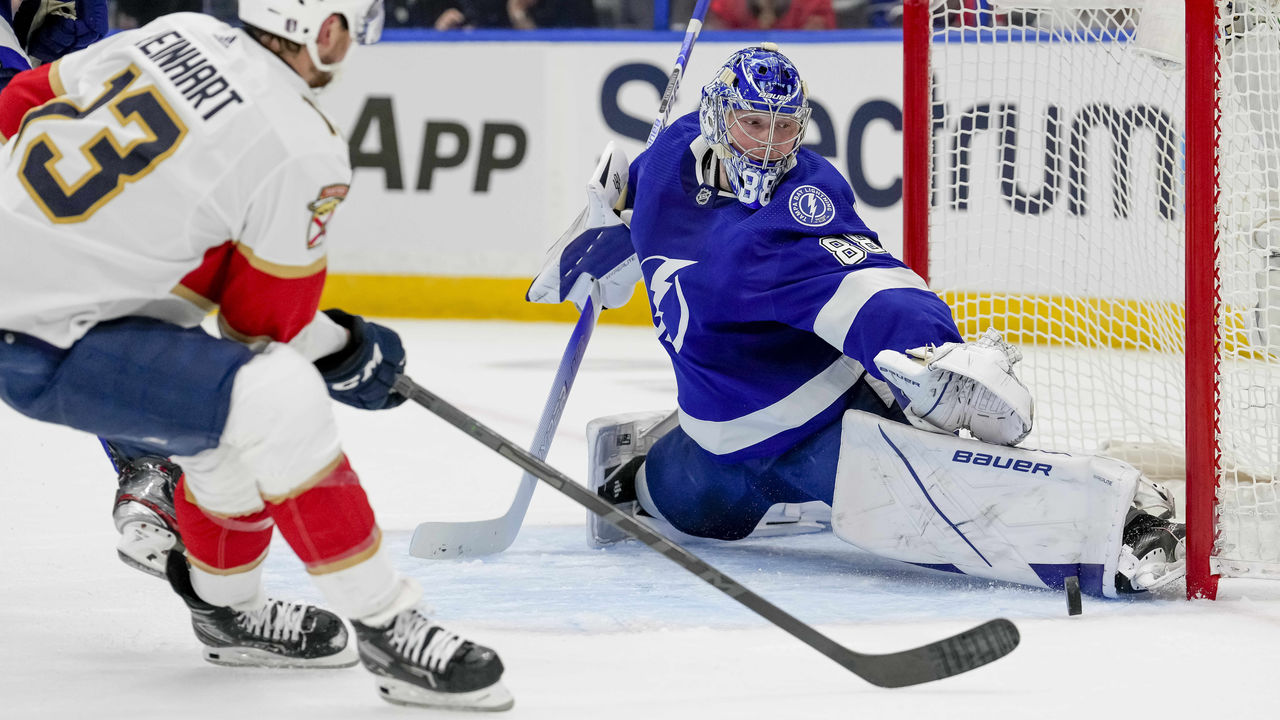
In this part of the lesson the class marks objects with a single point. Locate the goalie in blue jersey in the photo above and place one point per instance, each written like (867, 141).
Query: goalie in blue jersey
(815, 371)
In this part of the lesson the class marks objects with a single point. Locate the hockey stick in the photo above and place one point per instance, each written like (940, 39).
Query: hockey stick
(960, 653)
(441, 540)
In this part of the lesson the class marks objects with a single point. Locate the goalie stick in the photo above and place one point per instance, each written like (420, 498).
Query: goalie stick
(442, 540)
(960, 653)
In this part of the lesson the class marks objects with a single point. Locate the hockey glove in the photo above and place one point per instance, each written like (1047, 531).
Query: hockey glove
(596, 249)
(50, 29)
(963, 386)
(363, 373)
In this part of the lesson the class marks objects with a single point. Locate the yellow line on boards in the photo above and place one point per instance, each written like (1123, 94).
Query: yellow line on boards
(460, 298)
(1121, 324)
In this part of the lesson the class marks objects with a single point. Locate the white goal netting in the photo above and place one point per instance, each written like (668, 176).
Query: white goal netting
(1058, 217)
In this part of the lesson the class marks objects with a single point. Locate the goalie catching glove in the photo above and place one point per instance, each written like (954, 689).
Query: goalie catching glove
(596, 249)
(963, 386)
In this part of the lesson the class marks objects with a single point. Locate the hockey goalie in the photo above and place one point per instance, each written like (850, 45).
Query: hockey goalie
(814, 371)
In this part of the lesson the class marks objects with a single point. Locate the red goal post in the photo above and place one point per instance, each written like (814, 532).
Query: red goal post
(1100, 180)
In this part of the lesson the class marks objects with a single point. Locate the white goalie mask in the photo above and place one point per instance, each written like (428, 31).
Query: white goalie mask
(300, 20)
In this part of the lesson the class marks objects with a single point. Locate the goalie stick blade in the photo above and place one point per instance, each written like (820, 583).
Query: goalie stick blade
(446, 540)
(474, 538)
(957, 654)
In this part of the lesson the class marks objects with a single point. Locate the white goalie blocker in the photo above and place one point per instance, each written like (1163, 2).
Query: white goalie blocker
(1004, 513)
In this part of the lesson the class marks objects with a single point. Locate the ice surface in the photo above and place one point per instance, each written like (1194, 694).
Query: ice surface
(613, 634)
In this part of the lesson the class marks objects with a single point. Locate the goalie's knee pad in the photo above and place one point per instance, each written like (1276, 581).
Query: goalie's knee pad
(616, 447)
(1024, 516)
(280, 433)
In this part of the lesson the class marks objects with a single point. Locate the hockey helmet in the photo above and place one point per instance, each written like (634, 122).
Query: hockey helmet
(300, 20)
(754, 114)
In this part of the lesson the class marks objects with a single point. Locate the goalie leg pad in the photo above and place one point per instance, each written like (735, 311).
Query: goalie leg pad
(1023, 516)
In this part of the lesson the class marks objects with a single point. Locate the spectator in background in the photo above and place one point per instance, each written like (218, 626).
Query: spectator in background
(415, 13)
(136, 13)
(631, 14)
(517, 14)
(225, 10)
(771, 15)
(884, 13)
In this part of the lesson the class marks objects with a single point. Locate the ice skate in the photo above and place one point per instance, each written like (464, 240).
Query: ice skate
(1154, 553)
(417, 662)
(144, 514)
(279, 634)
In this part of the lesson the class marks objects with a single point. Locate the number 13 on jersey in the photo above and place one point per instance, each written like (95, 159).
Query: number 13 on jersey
(112, 163)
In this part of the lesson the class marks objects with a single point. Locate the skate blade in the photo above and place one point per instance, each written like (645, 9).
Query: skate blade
(254, 657)
(494, 698)
(144, 546)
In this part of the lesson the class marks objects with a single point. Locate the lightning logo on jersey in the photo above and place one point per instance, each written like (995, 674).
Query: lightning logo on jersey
(322, 211)
(663, 280)
(811, 207)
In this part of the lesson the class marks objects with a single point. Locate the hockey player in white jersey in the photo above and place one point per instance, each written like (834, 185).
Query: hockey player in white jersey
(143, 509)
(146, 180)
(812, 366)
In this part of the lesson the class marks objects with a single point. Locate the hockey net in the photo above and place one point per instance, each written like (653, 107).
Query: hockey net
(1048, 146)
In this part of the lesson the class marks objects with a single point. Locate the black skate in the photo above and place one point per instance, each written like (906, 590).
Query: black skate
(144, 514)
(1154, 553)
(420, 663)
(280, 634)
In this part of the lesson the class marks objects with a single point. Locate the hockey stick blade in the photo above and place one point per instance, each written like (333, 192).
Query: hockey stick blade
(942, 659)
(447, 540)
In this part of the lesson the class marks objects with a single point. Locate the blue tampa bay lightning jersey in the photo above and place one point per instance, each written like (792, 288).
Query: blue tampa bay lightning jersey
(12, 59)
(771, 316)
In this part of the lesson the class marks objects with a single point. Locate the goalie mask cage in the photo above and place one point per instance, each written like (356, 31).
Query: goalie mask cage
(1100, 181)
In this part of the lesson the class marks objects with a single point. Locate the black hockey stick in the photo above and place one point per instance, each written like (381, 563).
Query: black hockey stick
(971, 649)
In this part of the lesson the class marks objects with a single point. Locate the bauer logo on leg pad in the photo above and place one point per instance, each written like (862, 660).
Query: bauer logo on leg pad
(1002, 463)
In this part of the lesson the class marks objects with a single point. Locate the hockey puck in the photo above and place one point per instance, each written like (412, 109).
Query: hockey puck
(1073, 595)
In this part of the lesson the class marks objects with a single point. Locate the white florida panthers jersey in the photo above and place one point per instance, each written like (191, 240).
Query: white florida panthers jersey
(167, 170)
